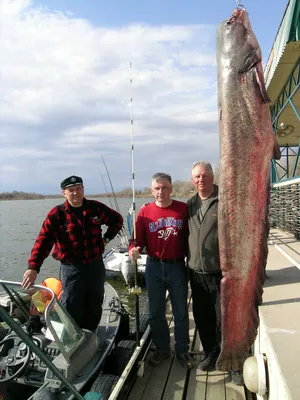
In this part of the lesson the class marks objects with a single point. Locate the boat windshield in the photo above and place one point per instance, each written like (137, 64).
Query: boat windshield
(40, 300)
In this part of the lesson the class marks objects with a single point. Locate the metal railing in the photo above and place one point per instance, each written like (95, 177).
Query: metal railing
(284, 211)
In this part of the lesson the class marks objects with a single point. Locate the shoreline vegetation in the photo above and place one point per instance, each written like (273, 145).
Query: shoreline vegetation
(180, 189)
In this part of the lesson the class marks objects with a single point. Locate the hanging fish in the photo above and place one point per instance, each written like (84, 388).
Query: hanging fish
(247, 143)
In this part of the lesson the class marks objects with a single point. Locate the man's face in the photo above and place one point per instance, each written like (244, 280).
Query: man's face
(202, 178)
(161, 191)
(74, 194)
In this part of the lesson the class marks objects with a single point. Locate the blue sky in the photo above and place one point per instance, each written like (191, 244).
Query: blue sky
(65, 87)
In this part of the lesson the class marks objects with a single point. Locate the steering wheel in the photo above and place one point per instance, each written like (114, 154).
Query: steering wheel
(14, 357)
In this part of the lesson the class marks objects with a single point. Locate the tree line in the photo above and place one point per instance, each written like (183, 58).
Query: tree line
(16, 195)
(180, 189)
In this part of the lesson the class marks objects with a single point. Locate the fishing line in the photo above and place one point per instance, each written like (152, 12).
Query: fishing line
(136, 290)
(239, 4)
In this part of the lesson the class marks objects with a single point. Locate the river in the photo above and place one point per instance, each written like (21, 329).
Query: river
(20, 222)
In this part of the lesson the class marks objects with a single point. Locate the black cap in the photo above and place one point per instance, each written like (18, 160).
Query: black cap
(70, 181)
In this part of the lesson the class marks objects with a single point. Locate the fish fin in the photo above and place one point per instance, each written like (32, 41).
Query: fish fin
(251, 60)
(261, 83)
(254, 61)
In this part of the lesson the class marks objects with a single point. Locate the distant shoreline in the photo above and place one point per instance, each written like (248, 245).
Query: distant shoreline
(181, 189)
(29, 196)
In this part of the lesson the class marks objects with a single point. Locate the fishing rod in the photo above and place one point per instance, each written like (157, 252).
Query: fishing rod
(108, 195)
(123, 236)
(111, 186)
(136, 290)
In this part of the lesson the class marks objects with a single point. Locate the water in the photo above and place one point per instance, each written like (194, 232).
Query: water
(20, 222)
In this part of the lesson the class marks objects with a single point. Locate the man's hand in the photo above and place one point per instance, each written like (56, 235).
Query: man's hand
(29, 278)
(134, 253)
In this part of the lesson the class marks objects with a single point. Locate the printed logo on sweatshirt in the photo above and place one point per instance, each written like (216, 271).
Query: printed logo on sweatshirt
(170, 226)
(168, 222)
(165, 233)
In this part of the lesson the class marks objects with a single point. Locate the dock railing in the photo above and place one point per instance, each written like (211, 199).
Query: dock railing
(284, 211)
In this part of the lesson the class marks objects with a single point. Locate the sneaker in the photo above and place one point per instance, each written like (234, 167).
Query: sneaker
(209, 362)
(158, 357)
(237, 377)
(185, 360)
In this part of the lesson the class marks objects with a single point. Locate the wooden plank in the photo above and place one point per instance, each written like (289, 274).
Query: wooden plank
(178, 374)
(153, 383)
(215, 386)
(141, 383)
(233, 392)
(167, 379)
(175, 382)
(197, 379)
(197, 385)
(157, 382)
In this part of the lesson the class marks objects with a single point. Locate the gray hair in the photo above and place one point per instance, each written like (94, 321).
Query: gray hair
(161, 176)
(203, 164)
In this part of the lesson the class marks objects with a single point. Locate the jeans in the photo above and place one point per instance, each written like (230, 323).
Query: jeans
(161, 277)
(83, 292)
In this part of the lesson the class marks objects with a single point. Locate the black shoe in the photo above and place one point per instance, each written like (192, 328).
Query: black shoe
(237, 377)
(185, 360)
(158, 357)
(209, 362)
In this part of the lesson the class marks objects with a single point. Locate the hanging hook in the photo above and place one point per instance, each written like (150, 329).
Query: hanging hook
(239, 4)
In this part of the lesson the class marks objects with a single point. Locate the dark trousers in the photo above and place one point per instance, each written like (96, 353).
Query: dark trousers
(161, 277)
(83, 292)
(207, 308)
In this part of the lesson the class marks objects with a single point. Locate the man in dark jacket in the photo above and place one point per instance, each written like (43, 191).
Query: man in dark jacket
(74, 228)
(204, 262)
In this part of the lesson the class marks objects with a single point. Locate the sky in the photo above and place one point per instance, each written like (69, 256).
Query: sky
(65, 88)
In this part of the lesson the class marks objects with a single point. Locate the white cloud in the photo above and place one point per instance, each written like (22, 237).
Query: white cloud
(65, 99)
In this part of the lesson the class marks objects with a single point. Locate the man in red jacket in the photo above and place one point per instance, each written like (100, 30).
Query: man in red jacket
(74, 229)
(162, 228)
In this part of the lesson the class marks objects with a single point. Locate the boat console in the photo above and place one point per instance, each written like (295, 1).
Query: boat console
(66, 345)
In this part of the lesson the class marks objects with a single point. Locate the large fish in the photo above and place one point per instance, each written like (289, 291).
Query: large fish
(247, 142)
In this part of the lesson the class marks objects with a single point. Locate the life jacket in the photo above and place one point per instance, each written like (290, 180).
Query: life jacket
(55, 284)
(41, 299)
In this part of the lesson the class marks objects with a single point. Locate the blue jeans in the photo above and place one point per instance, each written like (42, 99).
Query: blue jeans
(83, 292)
(161, 277)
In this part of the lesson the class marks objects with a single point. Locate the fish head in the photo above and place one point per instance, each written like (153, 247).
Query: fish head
(236, 40)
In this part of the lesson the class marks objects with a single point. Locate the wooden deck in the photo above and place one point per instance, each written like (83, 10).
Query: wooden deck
(278, 323)
(170, 381)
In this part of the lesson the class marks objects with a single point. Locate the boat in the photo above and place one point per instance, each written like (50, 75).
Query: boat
(119, 266)
(117, 261)
(44, 354)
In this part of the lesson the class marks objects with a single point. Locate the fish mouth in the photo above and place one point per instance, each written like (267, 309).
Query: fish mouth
(238, 15)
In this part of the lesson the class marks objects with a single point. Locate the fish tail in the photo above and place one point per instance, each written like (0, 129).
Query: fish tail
(240, 319)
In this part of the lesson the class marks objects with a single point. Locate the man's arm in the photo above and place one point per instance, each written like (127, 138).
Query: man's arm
(134, 249)
(39, 252)
(113, 220)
